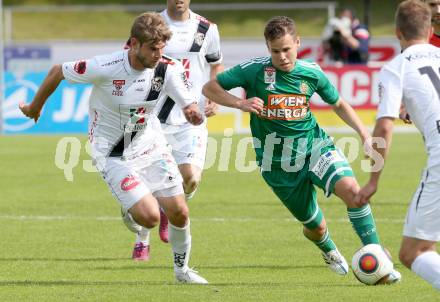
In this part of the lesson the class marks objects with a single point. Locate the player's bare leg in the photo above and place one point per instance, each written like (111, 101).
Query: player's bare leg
(361, 217)
(422, 258)
(321, 237)
(141, 217)
(191, 175)
(177, 211)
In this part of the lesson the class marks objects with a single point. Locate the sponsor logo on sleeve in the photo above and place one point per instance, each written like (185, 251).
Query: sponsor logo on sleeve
(112, 63)
(185, 80)
(80, 67)
(186, 66)
(381, 91)
(287, 107)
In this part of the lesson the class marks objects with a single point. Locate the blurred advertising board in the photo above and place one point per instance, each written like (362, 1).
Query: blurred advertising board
(66, 111)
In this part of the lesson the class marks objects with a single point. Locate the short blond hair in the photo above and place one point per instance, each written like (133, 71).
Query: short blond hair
(150, 28)
(413, 19)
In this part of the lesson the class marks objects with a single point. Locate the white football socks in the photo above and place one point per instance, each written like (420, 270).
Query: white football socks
(180, 239)
(427, 266)
(143, 236)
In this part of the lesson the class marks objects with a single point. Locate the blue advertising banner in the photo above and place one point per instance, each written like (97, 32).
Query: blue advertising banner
(66, 111)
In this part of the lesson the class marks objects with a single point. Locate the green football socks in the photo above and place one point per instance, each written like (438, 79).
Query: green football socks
(326, 243)
(363, 223)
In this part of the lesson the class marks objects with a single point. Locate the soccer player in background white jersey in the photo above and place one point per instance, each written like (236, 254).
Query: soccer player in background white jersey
(413, 78)
(196, 43)
(128, 146)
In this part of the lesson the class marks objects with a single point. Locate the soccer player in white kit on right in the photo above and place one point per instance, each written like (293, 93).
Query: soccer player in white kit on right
(196, 43)
(127, 143)
(413, 78)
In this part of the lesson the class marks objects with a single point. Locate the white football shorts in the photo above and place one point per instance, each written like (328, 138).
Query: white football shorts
(423, 217)
(155, 172)
(188, 143)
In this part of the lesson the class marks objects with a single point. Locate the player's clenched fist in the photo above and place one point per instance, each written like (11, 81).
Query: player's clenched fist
(192, 114)
(254, 105)
(210, 108)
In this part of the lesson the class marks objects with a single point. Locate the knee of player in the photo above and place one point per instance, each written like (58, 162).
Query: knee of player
(352, 188)
(149, 219)
(347, 191)
(149, 222)
(179, 216)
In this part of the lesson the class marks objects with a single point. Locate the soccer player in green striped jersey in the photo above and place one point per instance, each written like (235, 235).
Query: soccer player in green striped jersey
(293, 152)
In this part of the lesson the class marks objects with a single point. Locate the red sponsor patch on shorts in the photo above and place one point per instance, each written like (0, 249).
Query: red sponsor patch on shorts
(129, 183)
(80, 67)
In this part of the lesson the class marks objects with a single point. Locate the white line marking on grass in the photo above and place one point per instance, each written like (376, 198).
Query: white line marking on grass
(209, 219)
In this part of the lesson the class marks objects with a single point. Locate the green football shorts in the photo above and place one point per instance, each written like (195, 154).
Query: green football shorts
(296, 189)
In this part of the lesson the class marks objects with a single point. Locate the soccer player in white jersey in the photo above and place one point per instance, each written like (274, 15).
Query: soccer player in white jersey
(413, 78)
(196, 43)
(128, 146)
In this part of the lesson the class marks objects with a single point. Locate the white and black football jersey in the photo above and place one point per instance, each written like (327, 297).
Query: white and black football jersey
(413, 77)
(121, 108)
(196, 43)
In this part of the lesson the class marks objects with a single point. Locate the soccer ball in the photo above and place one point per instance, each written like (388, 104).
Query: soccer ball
(371, 264)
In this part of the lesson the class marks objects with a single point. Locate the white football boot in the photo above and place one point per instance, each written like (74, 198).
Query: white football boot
(336, 262)
(393, 277)
(188, 275)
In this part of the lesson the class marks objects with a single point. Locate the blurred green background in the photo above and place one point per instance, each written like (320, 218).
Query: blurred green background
(115, 25)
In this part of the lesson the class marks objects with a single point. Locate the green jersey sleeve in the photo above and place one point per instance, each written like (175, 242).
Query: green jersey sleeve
(326, 90)
(232, 78)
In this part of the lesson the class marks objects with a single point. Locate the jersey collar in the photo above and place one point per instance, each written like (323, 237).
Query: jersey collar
(177, 23)
(127, 66)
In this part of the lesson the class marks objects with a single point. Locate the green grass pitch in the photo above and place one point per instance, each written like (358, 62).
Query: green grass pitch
(63, 241)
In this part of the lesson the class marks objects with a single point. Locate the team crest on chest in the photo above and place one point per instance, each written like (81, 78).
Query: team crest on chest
(304, 87)
(199, 38)
(156, 84)
(118, 84)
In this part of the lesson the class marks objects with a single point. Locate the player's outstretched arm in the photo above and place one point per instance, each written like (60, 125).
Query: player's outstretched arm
(349, 116)
(382, 131)
(213, 91)
(211, 107)
(50, 83)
